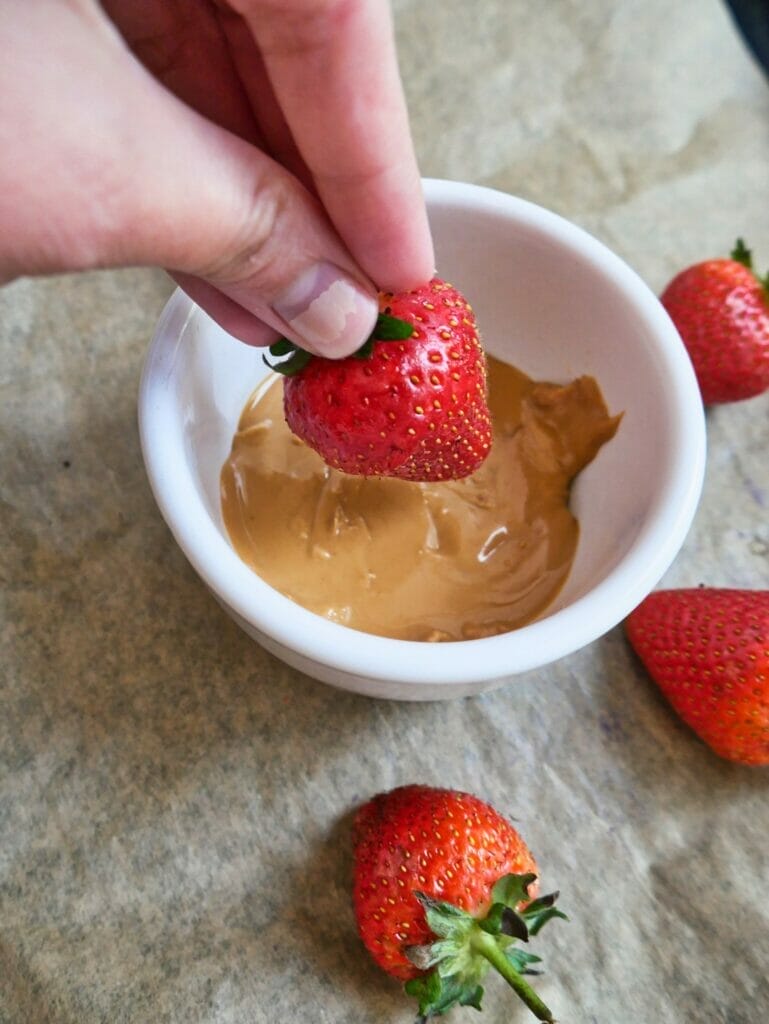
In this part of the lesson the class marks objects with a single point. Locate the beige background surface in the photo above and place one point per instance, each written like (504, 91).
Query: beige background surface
(174, 803)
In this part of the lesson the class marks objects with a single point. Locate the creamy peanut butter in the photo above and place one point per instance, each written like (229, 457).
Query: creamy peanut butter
(437, 561)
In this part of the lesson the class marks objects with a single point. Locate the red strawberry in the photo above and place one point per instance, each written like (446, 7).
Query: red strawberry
(412, 407)
(436, 864)
(721, 310)
(708, 651)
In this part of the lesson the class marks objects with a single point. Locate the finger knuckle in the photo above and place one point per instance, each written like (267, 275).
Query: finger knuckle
(247, 256)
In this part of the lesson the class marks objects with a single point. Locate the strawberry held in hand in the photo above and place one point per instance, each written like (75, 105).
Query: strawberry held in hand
(708, 651)
(410, 404)
(721, 310)
(443, 886)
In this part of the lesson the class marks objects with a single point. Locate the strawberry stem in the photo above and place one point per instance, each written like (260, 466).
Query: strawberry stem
(490, 950)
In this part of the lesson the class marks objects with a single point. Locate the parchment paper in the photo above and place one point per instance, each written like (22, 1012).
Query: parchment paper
(174, 803)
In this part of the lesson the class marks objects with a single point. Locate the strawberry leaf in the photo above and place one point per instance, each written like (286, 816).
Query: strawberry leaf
(291, 366)
(540, 920)
(492, 922)
(512, 889)
(391, 328)
(444, 919)
(540, 911)
(472, 998)
(426, 991)
(548, 900)
(364, 352)
(520, 959)
(741, 254)
(437, 995)
(386, 328)
(502, 920)
(514, 925)
(422, 957)
(282, 347)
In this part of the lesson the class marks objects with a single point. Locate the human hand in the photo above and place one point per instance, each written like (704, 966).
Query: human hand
(258, 149)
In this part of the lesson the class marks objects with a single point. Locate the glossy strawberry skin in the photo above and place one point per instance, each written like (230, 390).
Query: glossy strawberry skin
(721, 311)
(708, 651)
(414, 409)
(444, 843)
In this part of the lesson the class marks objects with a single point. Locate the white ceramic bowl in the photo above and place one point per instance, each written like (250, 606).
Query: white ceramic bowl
(553, 301)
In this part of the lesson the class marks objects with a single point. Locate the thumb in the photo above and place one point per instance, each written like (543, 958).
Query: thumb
(241, 233)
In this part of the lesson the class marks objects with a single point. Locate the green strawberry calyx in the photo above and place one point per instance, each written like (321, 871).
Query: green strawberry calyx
(741, 254)
(386, 328)
(466, 947)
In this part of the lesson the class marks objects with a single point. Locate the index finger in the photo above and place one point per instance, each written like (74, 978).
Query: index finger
(333, 68)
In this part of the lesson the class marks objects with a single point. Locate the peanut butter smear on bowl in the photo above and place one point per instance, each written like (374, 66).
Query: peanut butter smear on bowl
(435, 561)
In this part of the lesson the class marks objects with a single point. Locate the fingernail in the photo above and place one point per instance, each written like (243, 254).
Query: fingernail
(329, 312)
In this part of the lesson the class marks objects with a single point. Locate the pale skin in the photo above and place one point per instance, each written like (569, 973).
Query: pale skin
(242, 145)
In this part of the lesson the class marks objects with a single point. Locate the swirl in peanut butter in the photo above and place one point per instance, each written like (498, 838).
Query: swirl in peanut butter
(438, 561)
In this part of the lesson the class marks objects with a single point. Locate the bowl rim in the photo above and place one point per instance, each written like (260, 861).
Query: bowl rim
(452, 663)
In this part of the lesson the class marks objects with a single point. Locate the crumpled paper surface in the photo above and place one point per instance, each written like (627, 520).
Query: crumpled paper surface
(175, 803)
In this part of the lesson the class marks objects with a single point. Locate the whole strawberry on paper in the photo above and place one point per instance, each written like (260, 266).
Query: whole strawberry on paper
(445, 888)
(708, 651)
(721, 310)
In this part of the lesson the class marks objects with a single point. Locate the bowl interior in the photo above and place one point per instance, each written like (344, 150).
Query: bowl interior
(550, 300)
(552, 312)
